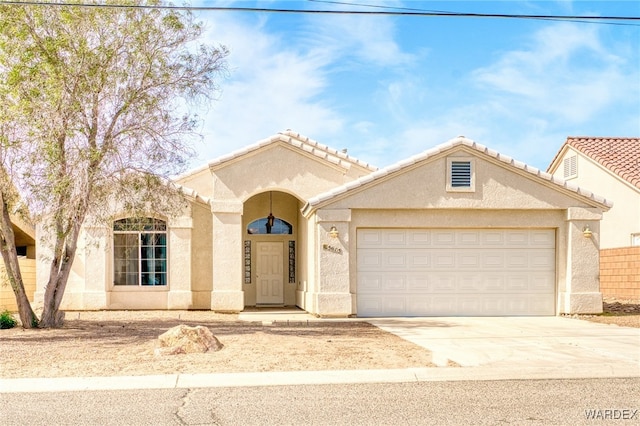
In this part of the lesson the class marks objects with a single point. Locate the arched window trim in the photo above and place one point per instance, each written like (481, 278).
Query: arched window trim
(148, 224)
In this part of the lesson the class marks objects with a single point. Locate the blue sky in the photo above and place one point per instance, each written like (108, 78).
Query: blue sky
(387, 87)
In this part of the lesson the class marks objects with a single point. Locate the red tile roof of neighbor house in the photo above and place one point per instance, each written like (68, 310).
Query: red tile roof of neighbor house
(619, 155)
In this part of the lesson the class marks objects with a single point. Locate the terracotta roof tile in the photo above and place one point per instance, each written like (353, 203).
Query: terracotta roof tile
(619, 155)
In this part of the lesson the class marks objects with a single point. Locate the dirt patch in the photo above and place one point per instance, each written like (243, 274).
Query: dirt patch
(122, 343)
(113, 343)
(625, 313)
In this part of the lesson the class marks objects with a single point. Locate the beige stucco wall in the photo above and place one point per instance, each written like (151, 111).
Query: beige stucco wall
(90, 285)
(199, 180)
(278, 167)
(75, 289)
(303, 259)
(623, 219)
(201, 260)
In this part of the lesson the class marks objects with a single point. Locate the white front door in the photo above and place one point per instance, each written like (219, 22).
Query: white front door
(270, 274)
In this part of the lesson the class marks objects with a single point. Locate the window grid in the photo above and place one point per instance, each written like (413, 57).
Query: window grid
(140, 252)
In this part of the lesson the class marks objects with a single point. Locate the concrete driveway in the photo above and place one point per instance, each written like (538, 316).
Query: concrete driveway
(549, 343)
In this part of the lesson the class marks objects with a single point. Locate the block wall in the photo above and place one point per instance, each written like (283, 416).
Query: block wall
(620, 273)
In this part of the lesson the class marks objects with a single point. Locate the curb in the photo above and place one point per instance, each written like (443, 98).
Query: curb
(297, 378)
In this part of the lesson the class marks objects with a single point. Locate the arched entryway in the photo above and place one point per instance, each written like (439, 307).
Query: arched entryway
(270, 224)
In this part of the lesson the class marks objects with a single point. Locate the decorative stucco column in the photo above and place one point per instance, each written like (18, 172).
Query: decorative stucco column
(179, 296)
(227, 294)
(581, 293)
(333, 296)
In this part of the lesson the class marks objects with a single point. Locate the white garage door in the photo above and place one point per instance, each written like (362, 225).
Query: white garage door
(439, 272)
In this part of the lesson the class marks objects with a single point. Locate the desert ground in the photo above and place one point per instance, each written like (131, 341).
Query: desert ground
(114, 343)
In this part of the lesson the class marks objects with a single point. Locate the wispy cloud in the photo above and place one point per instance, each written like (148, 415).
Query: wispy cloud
(280, 80)
(565, 75)
(353, 83)
(272, 85)
(530, 99)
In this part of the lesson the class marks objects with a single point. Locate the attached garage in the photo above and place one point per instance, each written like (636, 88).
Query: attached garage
(459, 230)
(437, 272)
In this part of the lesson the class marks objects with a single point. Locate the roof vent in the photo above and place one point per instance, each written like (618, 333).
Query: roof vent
(460, 174)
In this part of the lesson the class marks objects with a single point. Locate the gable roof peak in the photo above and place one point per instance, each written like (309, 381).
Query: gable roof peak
(300, 141)
(619, 155)
(448, 146)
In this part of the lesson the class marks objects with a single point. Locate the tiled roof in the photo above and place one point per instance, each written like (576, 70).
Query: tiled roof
(315, 201)
(319, 150)
(188, 192)
(621, 156)
(191, 193)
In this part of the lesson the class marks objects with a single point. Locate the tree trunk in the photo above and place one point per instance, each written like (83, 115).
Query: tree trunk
(64, 253)
(52, 317)
(10, 258)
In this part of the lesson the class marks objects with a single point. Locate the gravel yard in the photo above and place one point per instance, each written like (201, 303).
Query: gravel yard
(111, 343)
(624, 313)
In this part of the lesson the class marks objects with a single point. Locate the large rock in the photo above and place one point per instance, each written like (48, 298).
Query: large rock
(183, 339)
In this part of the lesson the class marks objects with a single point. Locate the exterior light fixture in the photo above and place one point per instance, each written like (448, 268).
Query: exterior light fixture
(271, 218)
(333, 232)
(586, 231)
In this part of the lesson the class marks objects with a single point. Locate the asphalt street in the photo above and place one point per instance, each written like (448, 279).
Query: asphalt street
(536, 402)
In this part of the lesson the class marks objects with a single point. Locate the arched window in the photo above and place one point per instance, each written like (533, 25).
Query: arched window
(140, 252)
(259, 226)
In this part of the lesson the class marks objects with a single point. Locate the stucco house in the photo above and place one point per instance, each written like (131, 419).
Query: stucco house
(456, 230)
(608, 166)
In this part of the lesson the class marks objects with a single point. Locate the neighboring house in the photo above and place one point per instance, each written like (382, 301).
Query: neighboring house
(610, 166)
(24, 235)
(456, 230)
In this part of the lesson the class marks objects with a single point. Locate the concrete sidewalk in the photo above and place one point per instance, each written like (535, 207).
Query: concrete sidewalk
(183, 381)
(515, 348)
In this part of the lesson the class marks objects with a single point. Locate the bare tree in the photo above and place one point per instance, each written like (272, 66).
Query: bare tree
(95, 97)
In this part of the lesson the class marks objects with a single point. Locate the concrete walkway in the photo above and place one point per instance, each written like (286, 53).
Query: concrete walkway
(465, 348)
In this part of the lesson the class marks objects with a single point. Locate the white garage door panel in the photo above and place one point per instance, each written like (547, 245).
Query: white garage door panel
(416, 238)
(444, 306)
(375, 283)
(417, 272)
(447, 259)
